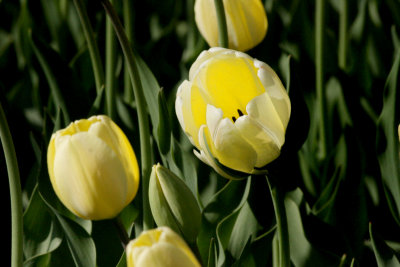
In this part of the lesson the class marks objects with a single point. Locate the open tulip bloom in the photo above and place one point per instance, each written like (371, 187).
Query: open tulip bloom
(235, 110)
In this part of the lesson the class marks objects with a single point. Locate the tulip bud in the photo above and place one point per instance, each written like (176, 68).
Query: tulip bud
(173, 204)
(235, 110)
(93, 168)
(159, 247)
(246, 22)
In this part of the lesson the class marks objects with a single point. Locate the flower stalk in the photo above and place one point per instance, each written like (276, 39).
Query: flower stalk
(222, 27)
(110, 69)
(15, 191)
(122, 233)
(278, 198)
(319, 62)
(92, 46)
(144, 130)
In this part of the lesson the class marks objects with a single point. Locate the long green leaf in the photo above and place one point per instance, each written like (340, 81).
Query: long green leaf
(388, 140)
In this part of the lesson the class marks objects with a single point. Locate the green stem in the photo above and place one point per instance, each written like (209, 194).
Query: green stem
(110, 68)
(122, 233)
(278, 197)
(128, 22)
(15, 191)
(319, 52)
(93, 49)
(144, 130)
(222, 27)
(343, 36)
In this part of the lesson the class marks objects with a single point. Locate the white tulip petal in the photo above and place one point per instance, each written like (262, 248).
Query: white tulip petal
(231, 149)
(184, 112)
(262, 142)
(275, 89)
(262, 110)
(213, 117)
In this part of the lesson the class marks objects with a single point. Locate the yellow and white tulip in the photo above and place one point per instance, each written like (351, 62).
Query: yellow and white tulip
(235, 110)
(93, 168)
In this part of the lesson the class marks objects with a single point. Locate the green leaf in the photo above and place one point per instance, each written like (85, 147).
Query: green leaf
(184, 164)
(336, 103)
(236, 230)
(388, 140)
(284, 64)
(150, 89)
(233, 195)
(302, 252)
(212, 254)
(164, 126)
(122, 261)
(385, 256)
(41, 234)
(80, 243)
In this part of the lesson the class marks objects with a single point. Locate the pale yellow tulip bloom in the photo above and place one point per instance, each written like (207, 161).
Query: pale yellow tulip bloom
(93, 168)
(159, 247)
(235, 110)
(246, 22)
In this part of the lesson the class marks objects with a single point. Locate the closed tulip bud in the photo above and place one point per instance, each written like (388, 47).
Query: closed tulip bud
(93, 168)
(173, 204)
(159, 247)
(235, 110)
(246, 22)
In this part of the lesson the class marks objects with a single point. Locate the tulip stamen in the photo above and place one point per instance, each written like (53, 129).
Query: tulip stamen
(240, 112)
(234, 119)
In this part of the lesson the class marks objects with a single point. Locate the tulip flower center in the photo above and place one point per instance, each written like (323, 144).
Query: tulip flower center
(227, 83)
(240, 114)
(79, 126)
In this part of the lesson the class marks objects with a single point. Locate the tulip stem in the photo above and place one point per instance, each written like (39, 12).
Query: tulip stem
(343, 36)
(278, 198)
(319, 68)
(144, 131)
(222, 26)
(110, 69)
(92, 46)
(15, 191)
(122, 233)
(128, 23)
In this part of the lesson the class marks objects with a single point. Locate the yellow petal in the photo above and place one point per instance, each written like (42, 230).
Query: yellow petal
(159, 247)
(89, 176)
(260, 139)
(247, 23)
(113, 136)
(275, 90)
(206, 20)
(226, 82)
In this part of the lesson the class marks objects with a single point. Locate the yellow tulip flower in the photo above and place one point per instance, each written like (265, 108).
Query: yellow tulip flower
(159, 247)
(235, 110)
(93, 168)
(246, 22)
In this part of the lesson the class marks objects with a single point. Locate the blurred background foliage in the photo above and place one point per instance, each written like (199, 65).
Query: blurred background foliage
(343, 206)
